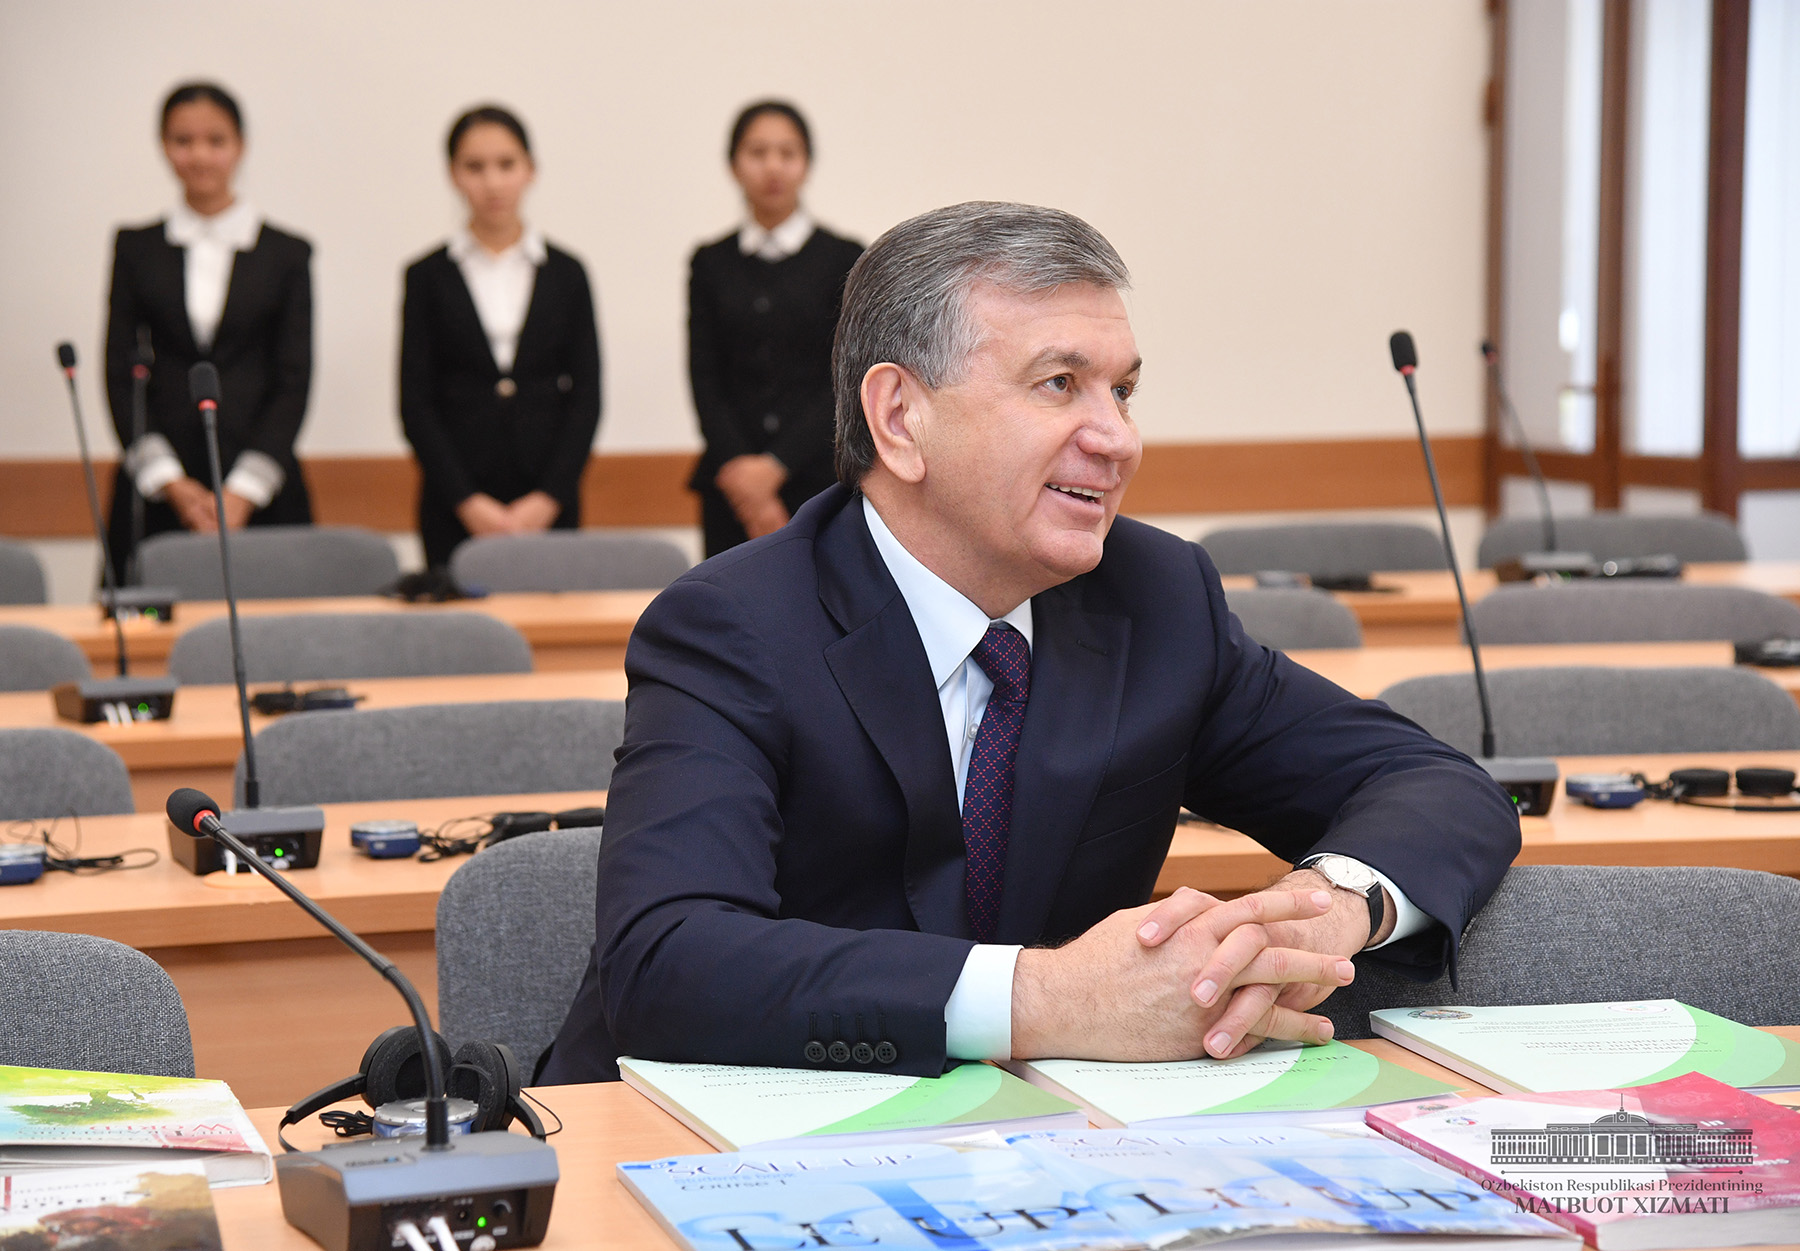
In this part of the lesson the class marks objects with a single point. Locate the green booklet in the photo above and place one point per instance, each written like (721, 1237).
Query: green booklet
(1277, 1081)
(1591, 1046)
(736, 1106)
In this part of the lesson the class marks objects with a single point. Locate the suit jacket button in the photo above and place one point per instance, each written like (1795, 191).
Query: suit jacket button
(886, 1053)
(506, 388)
(862, 1053)
(771, 423)
(840, 1052)
(815, 1051)
(761, 304)
(564, 383)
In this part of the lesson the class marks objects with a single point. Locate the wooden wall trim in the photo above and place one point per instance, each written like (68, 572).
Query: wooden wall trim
(46, 499)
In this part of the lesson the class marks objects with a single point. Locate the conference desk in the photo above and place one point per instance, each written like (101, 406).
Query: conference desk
(278, 1008)
(1368, 671)
(566, 629)
(603, 1126)
(1421, 608)
(199, 745)
(1655, 832)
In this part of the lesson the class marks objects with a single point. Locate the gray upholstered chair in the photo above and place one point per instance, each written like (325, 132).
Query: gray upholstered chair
(1583, 711)
(567, 560)
(302, 647)
(74, 1001)
(1617, 536)
(515, 925)
(36, 660)
(272, 562)
(1289, 618)
(1631, 612)
(21, 576)
(1717, 939)
(52, 772)
(439, 749)
(1331, 549)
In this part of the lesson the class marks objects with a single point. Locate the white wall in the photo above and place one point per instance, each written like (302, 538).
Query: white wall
(1289, 180)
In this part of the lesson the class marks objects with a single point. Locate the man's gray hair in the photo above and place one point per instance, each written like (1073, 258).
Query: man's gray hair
(906, 301)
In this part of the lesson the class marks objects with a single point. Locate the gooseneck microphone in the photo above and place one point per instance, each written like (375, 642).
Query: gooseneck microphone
(123, 699)
(1492, 357)
(140, 425)
(194, 813)
(287, 837)
(1524, 779)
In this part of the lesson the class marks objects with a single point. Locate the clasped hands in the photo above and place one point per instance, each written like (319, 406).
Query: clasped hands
(751, 484)
(1191, 976)
(481, 513)
(194, 506)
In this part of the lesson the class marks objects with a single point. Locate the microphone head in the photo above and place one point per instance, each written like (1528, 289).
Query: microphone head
(185, 808)
(146, 354)
(1488, 353)
(1406, 357)
(65, 355)
(203, 384)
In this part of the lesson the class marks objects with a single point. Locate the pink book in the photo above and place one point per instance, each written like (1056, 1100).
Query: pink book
(1689, 1162)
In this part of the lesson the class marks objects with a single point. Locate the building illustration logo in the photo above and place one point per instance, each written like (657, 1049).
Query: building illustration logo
(1626, 1139)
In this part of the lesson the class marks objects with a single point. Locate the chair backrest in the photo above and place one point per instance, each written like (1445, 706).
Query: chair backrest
(1327, 548)
(1631, 612)
(1582, 711)
(1716, 939)
(1617, 536)
(515, 925)
(36, 660)
(568, 560)
(272, 562)
(1287, 618)
(439, 749)
(302, 647)
(74, 1001)
(21, 575)
(52, 772)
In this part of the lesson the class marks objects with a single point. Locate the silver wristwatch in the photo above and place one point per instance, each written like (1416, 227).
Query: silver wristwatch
(1352, 875)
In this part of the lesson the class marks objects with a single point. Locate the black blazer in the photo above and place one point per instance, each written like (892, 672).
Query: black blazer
(474, 429)
(783, 861)
(263, 351)
(759, 356)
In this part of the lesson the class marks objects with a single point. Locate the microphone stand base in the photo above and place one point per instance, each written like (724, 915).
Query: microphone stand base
(285, 838)
(140, 603)
(494, 1188)
(119, 701)
(1529, 780)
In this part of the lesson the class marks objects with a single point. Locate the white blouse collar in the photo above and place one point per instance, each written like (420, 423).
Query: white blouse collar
(235, 227)
(465, 246)
(781, 242)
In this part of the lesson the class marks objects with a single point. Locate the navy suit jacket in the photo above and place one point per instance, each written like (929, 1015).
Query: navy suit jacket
(783, 860)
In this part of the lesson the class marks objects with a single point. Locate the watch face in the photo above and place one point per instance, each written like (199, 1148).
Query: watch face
(1345, 872)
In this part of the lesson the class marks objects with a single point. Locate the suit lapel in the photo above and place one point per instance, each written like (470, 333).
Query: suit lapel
(461, 304)
(881, 668)
(246, 269)
(168, 279)
(1077, 684)
(534, 317)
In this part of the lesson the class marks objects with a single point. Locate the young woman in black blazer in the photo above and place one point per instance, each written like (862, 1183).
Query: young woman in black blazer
(213, 282)
(762, 310)
(499, 357)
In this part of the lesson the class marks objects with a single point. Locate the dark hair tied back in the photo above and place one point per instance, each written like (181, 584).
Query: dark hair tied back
(486, 115)
(211, 93)
(780, 108)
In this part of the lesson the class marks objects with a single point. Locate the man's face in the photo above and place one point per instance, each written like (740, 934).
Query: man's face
(1027, 455)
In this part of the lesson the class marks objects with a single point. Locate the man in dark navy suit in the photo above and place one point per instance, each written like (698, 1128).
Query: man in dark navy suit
(897, 780)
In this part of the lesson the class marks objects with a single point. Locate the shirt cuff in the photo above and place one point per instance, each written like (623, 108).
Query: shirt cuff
(255, 476)
(153, 465)
(1409, 919)
(978, 1015)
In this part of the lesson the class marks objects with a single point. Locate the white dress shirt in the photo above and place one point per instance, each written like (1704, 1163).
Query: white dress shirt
(781, 242)
(209, 248)
(978, 1015)
(500, 283)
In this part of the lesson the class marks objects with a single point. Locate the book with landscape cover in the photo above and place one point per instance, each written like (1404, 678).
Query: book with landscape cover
(1591, 1046)
(150, 1207)
(735, 1106)
(1105, 1190)
(1277, 1081)
(1688, 1162)
(55, 1118)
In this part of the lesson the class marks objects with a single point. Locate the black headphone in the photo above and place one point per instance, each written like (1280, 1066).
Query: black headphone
(393, 1068)
(1700, 787)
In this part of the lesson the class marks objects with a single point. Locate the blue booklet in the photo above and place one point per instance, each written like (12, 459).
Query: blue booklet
(1060, 1190)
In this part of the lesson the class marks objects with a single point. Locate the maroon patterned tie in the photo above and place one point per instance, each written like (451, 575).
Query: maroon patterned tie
(1005, 657)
